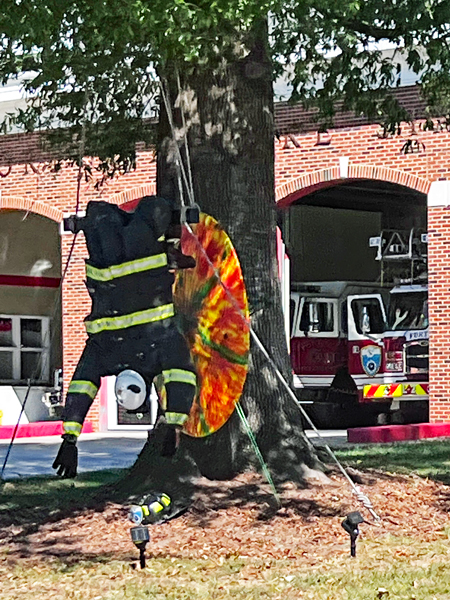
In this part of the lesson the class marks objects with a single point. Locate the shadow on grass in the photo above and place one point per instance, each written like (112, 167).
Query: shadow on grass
(32, 505)
(429, 459)
(27, 504)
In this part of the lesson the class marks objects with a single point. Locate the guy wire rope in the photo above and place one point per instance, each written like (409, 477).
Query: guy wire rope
(361, 497)
(179, 160)
(260, 457)
(186, 145)
(55, 306)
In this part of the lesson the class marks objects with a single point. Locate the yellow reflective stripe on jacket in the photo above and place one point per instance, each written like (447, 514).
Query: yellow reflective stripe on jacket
(175, 418)
(179, 376)
(138, 318)
(72, 427)
(82, 387)
(165, 499)
(127, 268)
(156, 507)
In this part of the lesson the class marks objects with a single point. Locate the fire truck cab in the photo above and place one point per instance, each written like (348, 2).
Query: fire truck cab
(328, 329)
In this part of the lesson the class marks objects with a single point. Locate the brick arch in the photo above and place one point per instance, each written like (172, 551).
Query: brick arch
(291, 191)
(33, 206)
(134, 194)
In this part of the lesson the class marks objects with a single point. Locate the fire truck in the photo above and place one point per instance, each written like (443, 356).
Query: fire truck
(359, 352)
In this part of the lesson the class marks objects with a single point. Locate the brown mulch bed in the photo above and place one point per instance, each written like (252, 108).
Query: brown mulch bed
(238, 518)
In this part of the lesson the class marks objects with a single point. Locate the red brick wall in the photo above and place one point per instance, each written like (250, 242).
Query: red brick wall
(363, 146)
(439, 299)
(299, 170)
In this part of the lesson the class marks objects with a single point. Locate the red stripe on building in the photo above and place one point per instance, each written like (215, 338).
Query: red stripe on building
(25, 281)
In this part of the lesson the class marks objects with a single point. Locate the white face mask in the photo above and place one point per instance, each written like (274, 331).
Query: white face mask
(130, 390)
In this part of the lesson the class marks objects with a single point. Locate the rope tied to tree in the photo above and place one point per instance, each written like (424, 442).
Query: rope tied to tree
(188, 182)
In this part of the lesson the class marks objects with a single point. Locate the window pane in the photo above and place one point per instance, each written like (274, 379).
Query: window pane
(317, 317)
(6, 368)
(408, 310)
(31, 333)
(304, 320)
(30, 367)
(292, 307)
(6, 332)
(326, 320)
(368, 310)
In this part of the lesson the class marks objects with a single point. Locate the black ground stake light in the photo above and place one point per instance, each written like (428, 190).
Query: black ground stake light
(140, 537)
(350, 524)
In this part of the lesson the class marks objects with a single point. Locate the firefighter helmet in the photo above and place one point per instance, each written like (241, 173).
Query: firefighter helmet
(130, 390)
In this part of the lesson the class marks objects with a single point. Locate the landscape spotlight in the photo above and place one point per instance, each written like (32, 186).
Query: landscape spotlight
(140, 536)
(350, 524)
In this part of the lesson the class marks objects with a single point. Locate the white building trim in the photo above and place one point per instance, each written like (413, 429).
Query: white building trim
(439, 194)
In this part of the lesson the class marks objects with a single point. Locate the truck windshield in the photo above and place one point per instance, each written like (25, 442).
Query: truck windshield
(408, 310)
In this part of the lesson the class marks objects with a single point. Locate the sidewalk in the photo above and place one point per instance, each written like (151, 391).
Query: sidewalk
(34, 456)
(332, 437)
(84, 437)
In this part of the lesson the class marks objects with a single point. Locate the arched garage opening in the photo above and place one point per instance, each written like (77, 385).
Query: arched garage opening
(30, 314)
(352, 324)
(328, 231)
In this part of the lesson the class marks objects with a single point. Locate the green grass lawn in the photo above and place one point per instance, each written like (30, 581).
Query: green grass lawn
(424, 458)
(43, 494)
(403, 569)
(389, 568)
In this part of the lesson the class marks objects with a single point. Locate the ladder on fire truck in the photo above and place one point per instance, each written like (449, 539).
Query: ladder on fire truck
(397, 248)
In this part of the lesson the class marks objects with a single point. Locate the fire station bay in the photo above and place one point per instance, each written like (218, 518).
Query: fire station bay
(364, 263)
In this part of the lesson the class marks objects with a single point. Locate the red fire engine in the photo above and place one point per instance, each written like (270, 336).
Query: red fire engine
(359, 352)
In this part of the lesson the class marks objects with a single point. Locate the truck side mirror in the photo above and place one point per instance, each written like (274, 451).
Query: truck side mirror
(365, 320)
(314, 318)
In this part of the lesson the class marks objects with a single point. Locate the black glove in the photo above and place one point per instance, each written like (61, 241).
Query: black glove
(66, 460)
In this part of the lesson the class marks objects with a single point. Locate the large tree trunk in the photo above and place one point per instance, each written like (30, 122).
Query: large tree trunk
(229, 120)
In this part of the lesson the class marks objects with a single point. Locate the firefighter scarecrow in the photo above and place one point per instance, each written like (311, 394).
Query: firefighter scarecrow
(131, 328)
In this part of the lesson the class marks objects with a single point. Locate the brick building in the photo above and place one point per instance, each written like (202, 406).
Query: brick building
(404, 175)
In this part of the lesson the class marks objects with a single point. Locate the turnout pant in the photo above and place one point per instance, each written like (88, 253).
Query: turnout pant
(151, 350)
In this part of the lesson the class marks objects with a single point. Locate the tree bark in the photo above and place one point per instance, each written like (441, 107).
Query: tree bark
(228, 123)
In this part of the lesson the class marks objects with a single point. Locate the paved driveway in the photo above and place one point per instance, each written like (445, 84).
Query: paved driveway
(34, 456)
(95, 452)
